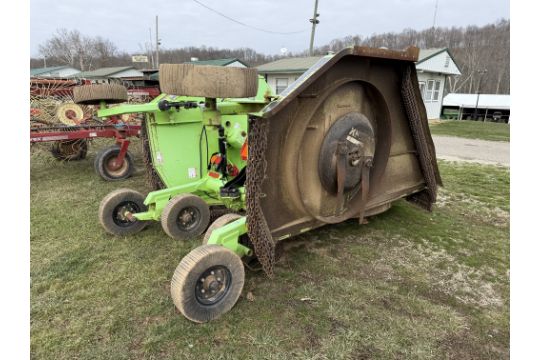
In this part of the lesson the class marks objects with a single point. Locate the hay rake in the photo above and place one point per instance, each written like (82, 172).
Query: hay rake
(56, 118)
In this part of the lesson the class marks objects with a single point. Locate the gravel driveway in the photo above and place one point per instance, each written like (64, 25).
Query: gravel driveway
(472, 150)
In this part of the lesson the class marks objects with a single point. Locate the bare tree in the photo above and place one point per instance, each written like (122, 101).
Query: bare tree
(74, 49)
(474, 48)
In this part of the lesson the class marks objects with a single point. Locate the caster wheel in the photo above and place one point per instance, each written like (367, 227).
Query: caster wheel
(106, 165)
(115, 209)
(185, 217)
(207, 283)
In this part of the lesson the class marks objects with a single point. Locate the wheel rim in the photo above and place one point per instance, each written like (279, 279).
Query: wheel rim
(213, 285)
(188, 218)
(113, 169)
(120, 213)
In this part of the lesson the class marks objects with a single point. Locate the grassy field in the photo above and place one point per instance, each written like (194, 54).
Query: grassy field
(409, 285)
(472, 129)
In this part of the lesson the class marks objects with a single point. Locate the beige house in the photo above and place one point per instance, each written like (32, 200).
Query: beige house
(433, 66)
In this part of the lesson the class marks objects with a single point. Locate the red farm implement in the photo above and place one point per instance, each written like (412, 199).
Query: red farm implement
(69, 127)
(71, 143)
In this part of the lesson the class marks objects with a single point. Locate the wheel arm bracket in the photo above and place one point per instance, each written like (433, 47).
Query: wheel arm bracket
(228, 236)
(156, 200)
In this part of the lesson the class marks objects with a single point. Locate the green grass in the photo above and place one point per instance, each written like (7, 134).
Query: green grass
(409, 285)
(472, 129)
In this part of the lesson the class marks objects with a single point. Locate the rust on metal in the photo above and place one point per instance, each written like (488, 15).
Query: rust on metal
(286, 191)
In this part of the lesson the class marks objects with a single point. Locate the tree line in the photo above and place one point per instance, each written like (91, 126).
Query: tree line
(481, 52)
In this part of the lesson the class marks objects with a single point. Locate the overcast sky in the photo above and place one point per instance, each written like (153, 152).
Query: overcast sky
(185, 23)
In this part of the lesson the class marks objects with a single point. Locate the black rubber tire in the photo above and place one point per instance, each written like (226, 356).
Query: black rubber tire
(188, 274)
(177, 205)
(220, 222)
(69, 150)
(101, 164)
(95, 93)
(108, 211)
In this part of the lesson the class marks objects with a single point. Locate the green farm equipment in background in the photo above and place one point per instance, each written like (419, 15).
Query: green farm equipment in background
(344, 141)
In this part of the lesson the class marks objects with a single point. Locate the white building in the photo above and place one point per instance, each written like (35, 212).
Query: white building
(54, 71)
(433, 66)
(483, 107)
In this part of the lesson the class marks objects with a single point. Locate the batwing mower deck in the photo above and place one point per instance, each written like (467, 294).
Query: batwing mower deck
(345, 140)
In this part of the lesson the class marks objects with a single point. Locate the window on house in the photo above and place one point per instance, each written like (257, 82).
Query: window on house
(281, 84)
(429, 90)
(447, 61)
(422, 89)
(437, 90)
(432, 91)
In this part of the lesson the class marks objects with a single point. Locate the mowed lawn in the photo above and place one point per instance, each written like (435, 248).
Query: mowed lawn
(408, 285)
(472, 129)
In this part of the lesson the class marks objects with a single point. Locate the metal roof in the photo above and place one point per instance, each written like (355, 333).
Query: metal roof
(39, 71)
(292, 65)
(485, 101)
(301, 64)
(429, 53)
(213, 62)
(102, 72)
(217, 62)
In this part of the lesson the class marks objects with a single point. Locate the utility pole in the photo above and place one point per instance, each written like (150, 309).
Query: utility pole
(149, 49)
(157, 44)
(482, 73)
(314, 21)
(435, 14)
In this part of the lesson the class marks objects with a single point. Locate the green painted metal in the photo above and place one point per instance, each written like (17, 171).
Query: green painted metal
(127, 109)
(229, 236)
(156, 200)
(182, 142)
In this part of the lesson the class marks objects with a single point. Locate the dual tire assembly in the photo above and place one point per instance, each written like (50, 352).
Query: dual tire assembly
(209, 280)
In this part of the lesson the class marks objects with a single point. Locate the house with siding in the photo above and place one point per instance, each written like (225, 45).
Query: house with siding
(54, 71)
(433, 67)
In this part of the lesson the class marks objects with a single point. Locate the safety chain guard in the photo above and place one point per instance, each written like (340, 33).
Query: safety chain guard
(152, 178)
(258, 230)
(420, 132)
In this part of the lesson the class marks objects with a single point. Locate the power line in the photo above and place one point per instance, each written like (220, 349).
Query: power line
(246, 25)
